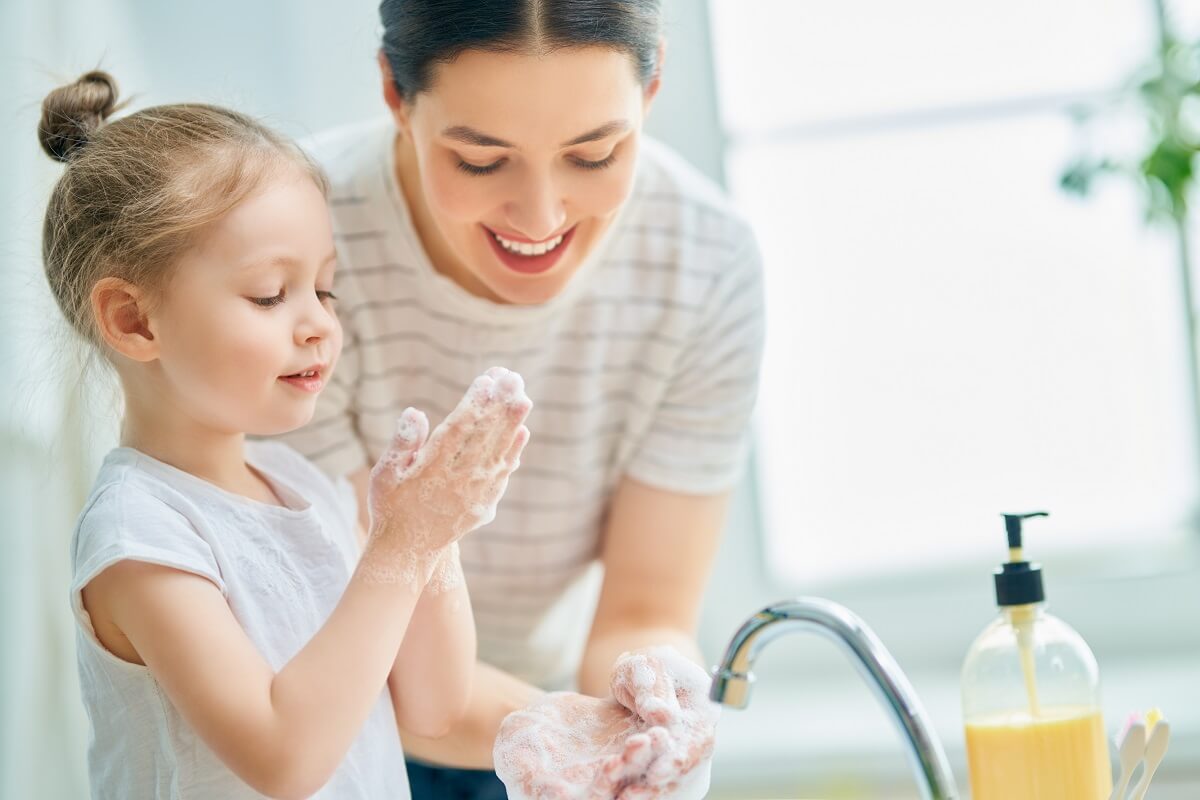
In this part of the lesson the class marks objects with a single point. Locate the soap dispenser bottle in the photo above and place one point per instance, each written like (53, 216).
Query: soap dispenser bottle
(1030, 694)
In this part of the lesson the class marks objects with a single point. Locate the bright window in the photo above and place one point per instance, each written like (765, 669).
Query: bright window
(949, 335)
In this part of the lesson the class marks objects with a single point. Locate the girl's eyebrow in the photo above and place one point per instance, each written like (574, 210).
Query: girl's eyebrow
(468, 135)
(285, 261)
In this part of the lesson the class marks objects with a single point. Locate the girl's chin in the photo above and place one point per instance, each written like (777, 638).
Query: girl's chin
(279, 424)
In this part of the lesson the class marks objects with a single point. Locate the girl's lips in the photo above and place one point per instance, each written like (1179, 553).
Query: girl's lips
(310, 384)
(528, 265)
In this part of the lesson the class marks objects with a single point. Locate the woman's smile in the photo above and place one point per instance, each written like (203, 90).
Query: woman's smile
(527, 257)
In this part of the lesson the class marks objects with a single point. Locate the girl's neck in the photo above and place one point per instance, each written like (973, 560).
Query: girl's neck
(213, 456)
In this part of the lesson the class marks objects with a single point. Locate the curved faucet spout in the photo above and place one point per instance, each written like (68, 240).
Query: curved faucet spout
(732, 678)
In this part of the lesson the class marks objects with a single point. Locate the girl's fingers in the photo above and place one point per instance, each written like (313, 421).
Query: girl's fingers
(412, 429)
(513, 455)
(462, 423)
(511, 408)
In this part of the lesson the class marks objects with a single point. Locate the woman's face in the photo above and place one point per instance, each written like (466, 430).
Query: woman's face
(522, 163)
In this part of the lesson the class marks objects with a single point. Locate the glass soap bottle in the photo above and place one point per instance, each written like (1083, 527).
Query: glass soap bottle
(1031, 696)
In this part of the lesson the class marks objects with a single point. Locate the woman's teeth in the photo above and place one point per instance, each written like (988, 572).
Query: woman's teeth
(526, 248)
(308, 373)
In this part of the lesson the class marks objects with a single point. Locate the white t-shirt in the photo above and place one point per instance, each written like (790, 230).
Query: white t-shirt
(646, 365)
(282, 570)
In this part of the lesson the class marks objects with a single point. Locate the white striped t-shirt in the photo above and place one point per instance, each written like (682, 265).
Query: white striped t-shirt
(646, 365)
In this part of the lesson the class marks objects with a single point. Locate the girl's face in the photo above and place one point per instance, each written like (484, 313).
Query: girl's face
(247, 335)
(523, 162)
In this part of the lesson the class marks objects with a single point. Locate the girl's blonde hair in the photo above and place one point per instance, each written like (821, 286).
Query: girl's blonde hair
(138, 191)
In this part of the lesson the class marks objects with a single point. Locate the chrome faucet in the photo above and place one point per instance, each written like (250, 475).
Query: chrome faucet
(732, 679)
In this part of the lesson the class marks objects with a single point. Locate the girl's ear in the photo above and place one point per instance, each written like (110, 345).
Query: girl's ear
(119, 309)
(391, 94)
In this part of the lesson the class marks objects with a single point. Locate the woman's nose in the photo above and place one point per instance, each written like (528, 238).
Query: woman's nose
(538, 212)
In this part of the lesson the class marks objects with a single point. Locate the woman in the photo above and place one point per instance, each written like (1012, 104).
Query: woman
(510, 211)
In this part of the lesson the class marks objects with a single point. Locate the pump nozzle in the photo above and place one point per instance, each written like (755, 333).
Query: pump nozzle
(1018, 582)
(1012, 523)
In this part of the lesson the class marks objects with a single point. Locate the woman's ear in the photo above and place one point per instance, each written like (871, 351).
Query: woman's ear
(119, 309)
(391, 94)
(655, 82)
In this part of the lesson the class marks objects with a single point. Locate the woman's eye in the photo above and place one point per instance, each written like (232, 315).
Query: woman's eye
(268, 302)
(472, 169)
(583, 163)
(323, 295)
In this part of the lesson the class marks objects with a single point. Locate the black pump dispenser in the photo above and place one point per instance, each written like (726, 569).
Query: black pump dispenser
(1018, 582)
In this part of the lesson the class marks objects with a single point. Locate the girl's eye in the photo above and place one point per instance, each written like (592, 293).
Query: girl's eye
(323, 295)
(268, 302)
(472, 169)
(601, 164)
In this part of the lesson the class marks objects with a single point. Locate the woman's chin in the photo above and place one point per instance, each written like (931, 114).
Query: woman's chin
(527, 290)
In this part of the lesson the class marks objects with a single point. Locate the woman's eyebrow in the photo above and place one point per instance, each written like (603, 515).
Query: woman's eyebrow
(604, 131)
(468, 135)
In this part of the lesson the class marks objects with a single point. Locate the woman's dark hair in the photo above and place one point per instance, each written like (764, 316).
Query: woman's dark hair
(420, 35)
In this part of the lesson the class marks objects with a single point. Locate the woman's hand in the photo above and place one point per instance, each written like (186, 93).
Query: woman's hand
(429, 490)
(567, 746)
(666, 689)
(653, 740)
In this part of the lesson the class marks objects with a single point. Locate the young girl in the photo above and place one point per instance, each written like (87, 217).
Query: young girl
(239, 634)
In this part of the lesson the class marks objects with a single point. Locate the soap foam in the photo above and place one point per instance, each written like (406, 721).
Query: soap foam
(655, 743)
(458, 474)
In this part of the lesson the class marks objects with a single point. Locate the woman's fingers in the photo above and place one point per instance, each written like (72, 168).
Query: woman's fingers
(640, 683)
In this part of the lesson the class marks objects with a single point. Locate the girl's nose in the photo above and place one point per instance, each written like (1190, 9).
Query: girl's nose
(316, 322)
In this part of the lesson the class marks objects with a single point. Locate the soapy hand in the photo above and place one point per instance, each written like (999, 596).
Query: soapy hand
(666, 689)
(428, 490)
(653, 739)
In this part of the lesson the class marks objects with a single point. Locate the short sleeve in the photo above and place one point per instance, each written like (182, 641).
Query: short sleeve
(697, 440)
(331, 440)
(126, 523)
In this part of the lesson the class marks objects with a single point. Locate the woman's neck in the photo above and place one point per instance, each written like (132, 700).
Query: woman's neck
(217, 457)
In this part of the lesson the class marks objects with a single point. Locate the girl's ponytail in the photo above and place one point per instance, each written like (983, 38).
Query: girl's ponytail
(71, 113)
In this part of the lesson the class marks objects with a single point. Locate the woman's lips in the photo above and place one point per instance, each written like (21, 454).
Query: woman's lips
(528, 265)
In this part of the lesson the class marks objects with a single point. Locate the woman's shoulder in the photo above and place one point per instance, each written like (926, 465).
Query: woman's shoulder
(676, 196)
(351, 153)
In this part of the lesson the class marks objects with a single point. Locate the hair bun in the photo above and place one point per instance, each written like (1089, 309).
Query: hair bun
(71, 113)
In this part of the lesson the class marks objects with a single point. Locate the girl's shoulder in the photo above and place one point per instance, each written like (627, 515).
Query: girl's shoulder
(136, 511)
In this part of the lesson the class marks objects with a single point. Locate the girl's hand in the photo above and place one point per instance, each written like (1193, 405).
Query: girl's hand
(428, 490)
(653, 740)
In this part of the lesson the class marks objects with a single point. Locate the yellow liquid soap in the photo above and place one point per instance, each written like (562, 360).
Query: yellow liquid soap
(1061, 754)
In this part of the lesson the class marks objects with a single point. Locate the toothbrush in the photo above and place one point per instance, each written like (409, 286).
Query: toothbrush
(1156, 748)
(1131, 743)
